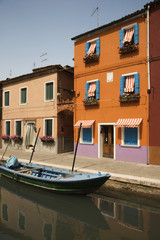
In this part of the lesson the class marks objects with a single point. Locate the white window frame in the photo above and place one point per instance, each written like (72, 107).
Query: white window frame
(25, 87)
(44, 129)
(10, 127)
(4, 98)
(18, 120)
(81, 137)
(123, 140)
(51, 100)
(129, 26)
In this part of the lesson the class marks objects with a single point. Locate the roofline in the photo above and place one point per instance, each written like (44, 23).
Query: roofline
(37, 72)
(112, 24)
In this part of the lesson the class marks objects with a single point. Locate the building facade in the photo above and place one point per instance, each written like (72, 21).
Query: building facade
(111, 99)
(154, 100)
(38, 100)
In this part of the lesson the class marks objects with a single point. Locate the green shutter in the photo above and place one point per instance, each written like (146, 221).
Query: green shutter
(18, 128)
(23, 95)
(49, 91)
(6, 99)
(48, 127)
(8, 128)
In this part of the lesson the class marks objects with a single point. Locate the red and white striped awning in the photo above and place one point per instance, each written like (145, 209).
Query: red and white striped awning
(128, 122)
(129, 84)
(92, 89)
(92, 48)
(85, 123)
(128, 36)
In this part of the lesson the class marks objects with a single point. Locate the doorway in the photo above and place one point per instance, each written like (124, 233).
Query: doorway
(106, 141)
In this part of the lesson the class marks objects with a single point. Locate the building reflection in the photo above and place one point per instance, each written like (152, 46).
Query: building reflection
(26, 213)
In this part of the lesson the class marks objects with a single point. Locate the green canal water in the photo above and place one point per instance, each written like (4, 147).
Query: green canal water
(27, 213)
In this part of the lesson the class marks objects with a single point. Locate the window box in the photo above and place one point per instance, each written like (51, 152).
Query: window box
(128, 48)
(6, 138)
(47, 139)
(127, 97)
(91, 58)
(17, 138)
(90, 102)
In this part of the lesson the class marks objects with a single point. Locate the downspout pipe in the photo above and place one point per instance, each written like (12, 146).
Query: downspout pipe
(149, 83)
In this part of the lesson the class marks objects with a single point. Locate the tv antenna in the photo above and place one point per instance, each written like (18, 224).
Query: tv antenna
(42, 56)
(96, 10)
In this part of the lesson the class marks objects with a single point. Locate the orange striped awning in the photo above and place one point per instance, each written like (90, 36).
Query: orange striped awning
(129, 84)
(128, 36)
(85, 123)
(92, 89)
(128, 122)
(92, 48)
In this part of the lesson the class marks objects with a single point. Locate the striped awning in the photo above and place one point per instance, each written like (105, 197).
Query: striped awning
(128, 36)
(129, 84)
(85, 123)
(92, 48)
(128, 122)
(92, 89)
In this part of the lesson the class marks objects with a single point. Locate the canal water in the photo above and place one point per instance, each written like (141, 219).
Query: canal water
(27, 213)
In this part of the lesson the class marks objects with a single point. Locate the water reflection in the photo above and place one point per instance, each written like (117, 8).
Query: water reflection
(28, 213)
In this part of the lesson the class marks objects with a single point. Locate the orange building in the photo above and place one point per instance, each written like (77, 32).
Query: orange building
(41, 99)
(111, 82)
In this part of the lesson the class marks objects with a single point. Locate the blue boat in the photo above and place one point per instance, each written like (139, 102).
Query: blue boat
(56, 180)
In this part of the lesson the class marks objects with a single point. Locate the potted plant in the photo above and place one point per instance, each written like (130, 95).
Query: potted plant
(90, 101)
(91, 58)
(6, 137)
(17, 138)
(126, 97)
(128, 47)
(47, 139)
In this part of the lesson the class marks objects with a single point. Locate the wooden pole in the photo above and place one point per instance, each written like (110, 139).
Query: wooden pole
(6, 149)
(34, 145)
(75, 153)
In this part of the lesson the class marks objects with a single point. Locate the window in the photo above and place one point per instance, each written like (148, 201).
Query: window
(92, 90)
(86, 136)
(18, 127)
(130, 136)
(7, 127)
(48, 127)
(23, 95)
(129, 83)
(92, 47)
(49, 91)
(129, 37)
(6, 98)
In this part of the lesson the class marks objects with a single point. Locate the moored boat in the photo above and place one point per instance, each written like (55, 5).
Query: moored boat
(56, 180)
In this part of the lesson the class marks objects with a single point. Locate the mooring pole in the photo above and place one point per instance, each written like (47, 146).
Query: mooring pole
(75, 153)
(34, 145)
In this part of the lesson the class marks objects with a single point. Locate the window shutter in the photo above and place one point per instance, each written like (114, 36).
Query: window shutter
(136, 33)
(87, 135)
(48, 126)
(121, 36)
(98, 46)
(97, 89)
(49, 91)
(8, 128)
(137, 85)
(87, 47)
(6, 99)
(18, 128)
(122, 84)
(86, 90)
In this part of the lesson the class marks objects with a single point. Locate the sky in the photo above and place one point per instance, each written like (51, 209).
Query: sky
(37, 33)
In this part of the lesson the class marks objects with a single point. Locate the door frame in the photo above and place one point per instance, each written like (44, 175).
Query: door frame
(100, 140)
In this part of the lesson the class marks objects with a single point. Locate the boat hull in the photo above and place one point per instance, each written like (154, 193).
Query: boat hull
(79, 183)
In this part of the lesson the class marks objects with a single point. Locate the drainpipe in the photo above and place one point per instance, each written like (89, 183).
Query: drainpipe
(149, 83)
